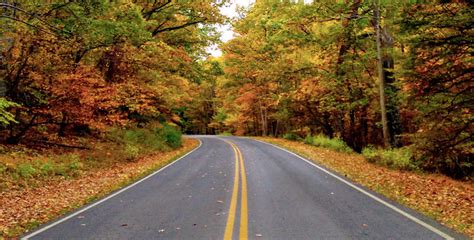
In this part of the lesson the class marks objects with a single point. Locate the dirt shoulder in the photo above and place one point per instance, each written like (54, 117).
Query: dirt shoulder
(24, 208)
(448, 201)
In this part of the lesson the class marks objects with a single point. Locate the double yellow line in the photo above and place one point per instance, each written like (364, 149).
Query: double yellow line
(229, 228)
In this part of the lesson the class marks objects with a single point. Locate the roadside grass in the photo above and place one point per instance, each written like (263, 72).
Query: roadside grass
(449, 201)
(291, 136)
(36, 187)
(142, 141)
(398, 158)
(225, 134)
(320, 141)
(325, 142)
(24, 167)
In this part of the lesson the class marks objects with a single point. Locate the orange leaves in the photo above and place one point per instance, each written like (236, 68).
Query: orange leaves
(77, 94)
(248, 94)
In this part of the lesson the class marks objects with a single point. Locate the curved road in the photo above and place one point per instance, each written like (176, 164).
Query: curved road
(233, 188)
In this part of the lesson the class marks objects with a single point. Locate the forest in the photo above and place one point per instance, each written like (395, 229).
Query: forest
(383, 77)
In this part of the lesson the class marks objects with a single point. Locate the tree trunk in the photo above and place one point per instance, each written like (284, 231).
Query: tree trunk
(393, 112)
(263, 115)
(328, 129)
(63, 125)
(383, 111)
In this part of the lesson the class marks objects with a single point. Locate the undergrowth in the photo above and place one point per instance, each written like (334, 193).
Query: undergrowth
(291, 136)
(398, 158)
(28, 167)
(138, 141)
(325, 142)
(225, 134)
(67, 165)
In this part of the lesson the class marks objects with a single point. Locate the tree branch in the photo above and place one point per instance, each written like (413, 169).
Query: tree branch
(156, 31)
(155, 9)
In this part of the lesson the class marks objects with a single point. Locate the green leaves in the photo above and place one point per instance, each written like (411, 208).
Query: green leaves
(7, 117)
(99, 28)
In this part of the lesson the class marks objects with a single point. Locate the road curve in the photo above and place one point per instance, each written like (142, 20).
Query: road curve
(238, 188)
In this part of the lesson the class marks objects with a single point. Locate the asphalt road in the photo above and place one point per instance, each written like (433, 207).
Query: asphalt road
(231, 188)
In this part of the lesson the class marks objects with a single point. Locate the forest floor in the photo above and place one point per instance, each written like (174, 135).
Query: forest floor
(449, 201)
(30, 196)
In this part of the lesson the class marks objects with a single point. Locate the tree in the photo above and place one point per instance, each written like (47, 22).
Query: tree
(101, 63)
(439, 78)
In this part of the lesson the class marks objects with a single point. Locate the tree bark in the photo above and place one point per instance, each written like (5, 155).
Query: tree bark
(383, 111)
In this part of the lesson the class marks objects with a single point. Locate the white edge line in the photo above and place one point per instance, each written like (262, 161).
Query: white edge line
(405, 214)
(108, 197)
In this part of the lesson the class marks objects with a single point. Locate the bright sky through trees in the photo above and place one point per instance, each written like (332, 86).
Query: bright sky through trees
(231, 11)
(226, 29)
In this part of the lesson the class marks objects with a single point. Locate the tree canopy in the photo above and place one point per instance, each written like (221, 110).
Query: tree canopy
(371, 73)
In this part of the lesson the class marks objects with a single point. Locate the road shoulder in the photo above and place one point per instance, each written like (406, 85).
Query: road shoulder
(26, 209)
(439, 197)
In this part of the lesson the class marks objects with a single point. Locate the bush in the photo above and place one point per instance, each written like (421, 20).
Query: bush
(325, 142)
(131, 151)
(308, 140)
(26, 170)
(47, 168)
(75, 166)
(291, 136)
(371, 154)
(171, 136)
(225, 134)
(144, 140)
(399, 158)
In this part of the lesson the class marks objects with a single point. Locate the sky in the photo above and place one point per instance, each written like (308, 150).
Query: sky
(226, 30)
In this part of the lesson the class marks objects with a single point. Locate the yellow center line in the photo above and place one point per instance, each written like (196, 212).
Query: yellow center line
(243, 234)
(243, 231)
(233, 203)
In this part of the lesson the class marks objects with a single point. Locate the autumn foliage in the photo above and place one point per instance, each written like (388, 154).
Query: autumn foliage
(303, 69)
(310, 69)
(78, 67)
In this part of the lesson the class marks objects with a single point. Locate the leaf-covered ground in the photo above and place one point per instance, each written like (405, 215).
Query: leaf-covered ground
(23, 208)
(449, 201)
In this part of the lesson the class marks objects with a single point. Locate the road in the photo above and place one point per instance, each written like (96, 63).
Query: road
(234, 188)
